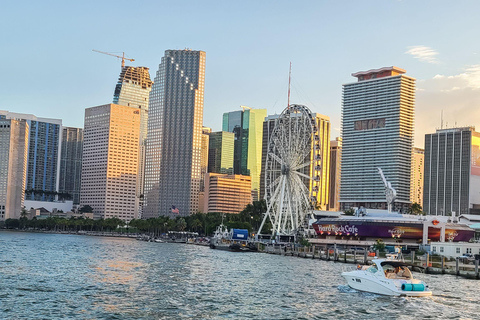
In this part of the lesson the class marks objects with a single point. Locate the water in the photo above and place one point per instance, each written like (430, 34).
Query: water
(53, 276)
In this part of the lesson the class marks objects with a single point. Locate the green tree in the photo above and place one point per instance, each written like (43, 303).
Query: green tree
(415, 208)
(86, 209)
(379, 245)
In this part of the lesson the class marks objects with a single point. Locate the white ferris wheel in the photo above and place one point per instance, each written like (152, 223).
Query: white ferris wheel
(292, 171)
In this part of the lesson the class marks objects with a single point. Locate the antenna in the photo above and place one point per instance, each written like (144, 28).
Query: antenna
(289, 80)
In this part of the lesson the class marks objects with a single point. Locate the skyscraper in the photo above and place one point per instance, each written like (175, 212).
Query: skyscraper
(43, 156)
(377, 132)
(247, 125)
(71, 163)
(173, 168)
(133, 90)
(227, 193)
(416, 183)
(335, 156)
(452, 172)
(220, 153)
(110, 161)
(13, 166)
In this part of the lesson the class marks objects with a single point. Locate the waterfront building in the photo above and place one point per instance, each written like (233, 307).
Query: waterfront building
(71, 164)
(13, 166)
(452, 172)
(133, 90)
(174, 138)
(203, 165)
(220, 153)
(227, 193)
(377, 132)
(323, 125)
(110, 161)
(334, 187)
(43, 156)
(416, 179)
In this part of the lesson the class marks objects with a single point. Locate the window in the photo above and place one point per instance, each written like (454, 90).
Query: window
(457, 250)
(441, 249)
(434, 249)
(469, 250)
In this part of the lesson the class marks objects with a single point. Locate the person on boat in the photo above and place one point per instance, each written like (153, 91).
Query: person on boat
(359, 267)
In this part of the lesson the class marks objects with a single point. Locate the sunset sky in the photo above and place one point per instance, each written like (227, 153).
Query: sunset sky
(48, 67)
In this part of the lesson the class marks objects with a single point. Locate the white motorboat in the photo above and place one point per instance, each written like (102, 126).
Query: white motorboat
(387, 277)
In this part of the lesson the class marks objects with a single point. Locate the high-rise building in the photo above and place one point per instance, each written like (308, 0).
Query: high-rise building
(335, 156)
(174, 144)
(452, 172)
(377, 132)
(323, 126)
(220, 153)
(43, 156)
(13, 166)
(71, 164)
(110, 161)
(203, 166)
(227, 193)
(247, 124)
(416, 180)
(133, 90)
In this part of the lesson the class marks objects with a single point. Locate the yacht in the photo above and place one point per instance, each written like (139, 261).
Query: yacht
(386, 277)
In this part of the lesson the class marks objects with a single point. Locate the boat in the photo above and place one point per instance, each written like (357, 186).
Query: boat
(387, 277)
(235, 240)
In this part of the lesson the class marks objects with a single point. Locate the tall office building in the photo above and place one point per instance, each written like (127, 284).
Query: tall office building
(174, 144)
(133, 90)
(71, 164)
(323, 126)
(110, 161)
(43, 156)
(377, 132)
(13, 166)
(416, 180)
(220, 153)
(227, 193)
(452, 172)
(247, 124)
(335, 157)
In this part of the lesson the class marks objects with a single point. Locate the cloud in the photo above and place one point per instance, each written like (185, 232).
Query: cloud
(458, 96)
(423, 53)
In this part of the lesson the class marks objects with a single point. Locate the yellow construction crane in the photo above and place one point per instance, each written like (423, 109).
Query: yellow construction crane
(114, 55)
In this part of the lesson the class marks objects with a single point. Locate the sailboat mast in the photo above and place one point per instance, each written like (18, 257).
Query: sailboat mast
(289, 81)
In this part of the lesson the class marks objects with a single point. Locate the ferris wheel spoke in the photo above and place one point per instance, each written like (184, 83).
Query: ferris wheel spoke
(303, 165)
(304, 175)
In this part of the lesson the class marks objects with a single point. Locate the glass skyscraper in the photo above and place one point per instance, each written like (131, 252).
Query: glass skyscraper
(247, 125)
(71, 164)
(43, 156)
(220, 152)
(174, 138)
(133, 90)
(377, 132)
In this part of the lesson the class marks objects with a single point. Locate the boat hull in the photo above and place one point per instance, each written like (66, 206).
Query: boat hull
(361, 281)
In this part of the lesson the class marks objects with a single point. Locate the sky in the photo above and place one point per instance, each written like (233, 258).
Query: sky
(48, 67)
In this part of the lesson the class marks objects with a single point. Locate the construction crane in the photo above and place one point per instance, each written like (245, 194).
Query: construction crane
(114, 55)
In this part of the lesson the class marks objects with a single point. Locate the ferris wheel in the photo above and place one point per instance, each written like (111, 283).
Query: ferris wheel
(292, 171)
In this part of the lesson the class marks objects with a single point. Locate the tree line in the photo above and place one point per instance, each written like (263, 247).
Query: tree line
(203, 223)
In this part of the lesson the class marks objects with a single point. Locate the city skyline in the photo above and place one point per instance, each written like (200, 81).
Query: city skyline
(321, 47)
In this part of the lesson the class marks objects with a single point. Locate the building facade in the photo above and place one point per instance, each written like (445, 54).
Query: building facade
(174, 144)
(203, 166)
(110, 161)
(247, 125)
(227, 193)
(71, 164)
(13, 167)
(334, 187)
(133, 90)
(416, 180)
(452, 172)
(377, 132)
(220, 153)
(43, 156)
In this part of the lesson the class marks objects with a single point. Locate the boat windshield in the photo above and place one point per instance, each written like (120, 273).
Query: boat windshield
(396, 272)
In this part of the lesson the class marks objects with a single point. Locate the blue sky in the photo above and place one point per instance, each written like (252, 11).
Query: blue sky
(48, 67)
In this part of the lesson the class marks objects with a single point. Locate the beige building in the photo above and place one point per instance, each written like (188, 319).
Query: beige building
(334, 188)
(203, 166)
(416, 180)
(13, 166)
(227, 193)
(110, 161)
